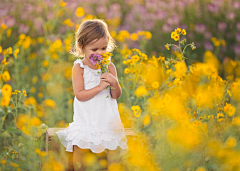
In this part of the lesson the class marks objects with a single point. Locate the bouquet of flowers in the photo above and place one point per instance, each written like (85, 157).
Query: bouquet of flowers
(102, 62)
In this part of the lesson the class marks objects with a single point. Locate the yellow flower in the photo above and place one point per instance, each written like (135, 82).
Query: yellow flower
(27, 42)
(40, 95)
(127, 70)
(229, 109)
(41, 153)
(4, 61)
(180, 69)
(9, 50)
(90, 159)
(148, 35)
(22, 120)
(33, 89)
(184, 32)
(9, 32)
(134, 36)
(45, 63)
(63, 4)
(40, 39)
(68, 22)
(223, 42)
(176, 37)
(35, 121)
(115, 167)
(229, 93)
(16, 52)
(0, 49)
(113, 34)
(236, 121)
(169, 71)
(146, 120)
(141, 91)
(30, 101)
(3, 161)
(201, 169)
(231, 142)
(178, 30)
(24, 92)
(79, 12)
(173, 34)
(50, 103)
(177, 82)
(124, 33)
(13, 164)
(6, 76)
(4, 26)
(22, 36)
(167, 47)
(135, 58)
(5, 101)
(136, 110)
(155, 84)
(7, 90)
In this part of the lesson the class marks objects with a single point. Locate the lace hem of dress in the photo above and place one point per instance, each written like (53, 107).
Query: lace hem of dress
(95, 139)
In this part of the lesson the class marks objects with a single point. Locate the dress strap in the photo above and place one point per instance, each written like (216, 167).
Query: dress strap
(80, 62)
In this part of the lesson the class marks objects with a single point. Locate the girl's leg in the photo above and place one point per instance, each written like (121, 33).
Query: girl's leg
(113, 156)
(78, 156)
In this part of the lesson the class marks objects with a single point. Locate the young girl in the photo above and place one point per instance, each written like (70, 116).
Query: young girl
(96, 122)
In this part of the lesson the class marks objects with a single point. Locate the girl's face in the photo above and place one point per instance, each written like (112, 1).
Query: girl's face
(97, 47)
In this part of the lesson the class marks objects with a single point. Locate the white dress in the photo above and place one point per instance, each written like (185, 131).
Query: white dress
(96, 122)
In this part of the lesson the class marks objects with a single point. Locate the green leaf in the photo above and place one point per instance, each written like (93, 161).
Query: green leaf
(13, 130)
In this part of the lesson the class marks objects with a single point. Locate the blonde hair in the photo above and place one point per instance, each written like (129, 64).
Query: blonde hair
(88, 31)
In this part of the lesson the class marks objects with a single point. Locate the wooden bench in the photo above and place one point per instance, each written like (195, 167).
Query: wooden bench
(53, 144)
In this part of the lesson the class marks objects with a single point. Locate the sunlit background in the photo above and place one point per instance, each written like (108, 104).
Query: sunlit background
(182, 103)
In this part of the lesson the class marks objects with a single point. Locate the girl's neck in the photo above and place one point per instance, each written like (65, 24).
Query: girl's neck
(87, 62)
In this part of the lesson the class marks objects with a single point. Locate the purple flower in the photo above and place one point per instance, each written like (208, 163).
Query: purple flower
(3, 11)
(222, 26)
(213, 8)
(23, 28)
(238, 25)
(238, 36)
(200, 28)
(160, 15)
(8, 20)
(101, 9)
(173, 20)
(236, 5)
(208, 35)
(237, 49)
(208, 45)
(94, 58)
(166, 28)
(230, 16)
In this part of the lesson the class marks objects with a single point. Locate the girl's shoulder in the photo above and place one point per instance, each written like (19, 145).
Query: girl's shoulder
(79, 61)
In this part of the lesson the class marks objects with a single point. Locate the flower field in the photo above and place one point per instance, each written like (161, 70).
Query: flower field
(177, 63)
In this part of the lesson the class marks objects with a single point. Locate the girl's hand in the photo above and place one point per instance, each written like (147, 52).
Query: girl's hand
(109, 78)
(103, 84)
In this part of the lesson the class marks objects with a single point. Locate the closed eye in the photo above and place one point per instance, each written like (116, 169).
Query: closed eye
(94, 49)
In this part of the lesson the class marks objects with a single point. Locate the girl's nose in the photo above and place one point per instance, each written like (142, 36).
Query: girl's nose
(99, 52)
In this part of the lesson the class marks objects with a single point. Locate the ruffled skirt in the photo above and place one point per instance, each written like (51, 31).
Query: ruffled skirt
(95, 139)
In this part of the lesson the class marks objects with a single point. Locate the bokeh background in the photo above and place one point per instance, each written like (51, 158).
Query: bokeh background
(185, 111)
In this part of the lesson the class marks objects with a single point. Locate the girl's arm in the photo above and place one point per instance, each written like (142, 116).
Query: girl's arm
(78, 85)
(111, 77)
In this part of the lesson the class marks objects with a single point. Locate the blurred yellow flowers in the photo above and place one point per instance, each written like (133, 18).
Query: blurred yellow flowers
(229, 109)
(79, 12)
(141, 91)
(136, 110)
